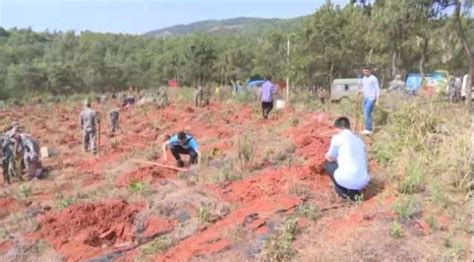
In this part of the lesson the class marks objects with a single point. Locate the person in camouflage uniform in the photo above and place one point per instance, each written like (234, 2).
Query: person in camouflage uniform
(114, 115)
(88, 123)
(198, 96)
(31, 156)
(163, 98)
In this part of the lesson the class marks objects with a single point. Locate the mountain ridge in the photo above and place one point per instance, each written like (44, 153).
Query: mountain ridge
(237, 25)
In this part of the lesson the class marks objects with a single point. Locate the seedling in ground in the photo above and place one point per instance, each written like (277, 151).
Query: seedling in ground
(114, 144)
(438, 196)
(308, 211)
(203, 214)
(412, 181)
(156, 246)
(227, 173)
(406, 206)
(25, 191)
(431, 221)
(246, 150)
(396, 230)
(63, 202)
(280, 246)
(298, 189)
(135, 187)
(359, 199)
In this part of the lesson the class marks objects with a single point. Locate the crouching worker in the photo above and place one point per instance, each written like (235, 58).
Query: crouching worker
(346, 161)
(181, 143)
(31, 156)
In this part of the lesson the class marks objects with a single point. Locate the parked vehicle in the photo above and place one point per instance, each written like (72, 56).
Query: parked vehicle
(438, 81)
(344, 89)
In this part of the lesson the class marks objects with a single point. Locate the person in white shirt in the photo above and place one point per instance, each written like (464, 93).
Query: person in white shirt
(346, 161)
(371, 91)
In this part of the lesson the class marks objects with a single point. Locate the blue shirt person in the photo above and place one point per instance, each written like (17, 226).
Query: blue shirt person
(266, 96)
(181, 143)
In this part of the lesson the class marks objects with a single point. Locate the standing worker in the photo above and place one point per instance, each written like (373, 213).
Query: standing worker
(346, 161)
(266, 96)
(181, 143)
(6, 156)
(89, 122)
(322, 94)
(163, 98)
(371, 92)
(114, 115)
(198, 96)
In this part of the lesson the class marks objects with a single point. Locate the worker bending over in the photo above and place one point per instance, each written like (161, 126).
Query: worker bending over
(181, 143)
(346, 161)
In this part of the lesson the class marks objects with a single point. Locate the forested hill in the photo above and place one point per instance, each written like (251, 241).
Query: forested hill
(242, 25)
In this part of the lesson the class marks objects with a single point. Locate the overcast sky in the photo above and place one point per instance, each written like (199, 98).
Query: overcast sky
(140, 16)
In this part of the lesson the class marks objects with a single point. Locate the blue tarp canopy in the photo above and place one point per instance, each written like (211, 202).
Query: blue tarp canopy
(254, 83)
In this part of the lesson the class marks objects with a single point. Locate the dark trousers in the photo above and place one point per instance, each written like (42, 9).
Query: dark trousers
(330, 168)
(266, 108)
(176, 150)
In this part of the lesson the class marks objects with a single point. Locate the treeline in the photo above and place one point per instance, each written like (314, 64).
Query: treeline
(394, 36)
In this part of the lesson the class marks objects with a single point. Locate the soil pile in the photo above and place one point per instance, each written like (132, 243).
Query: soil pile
(86, 230)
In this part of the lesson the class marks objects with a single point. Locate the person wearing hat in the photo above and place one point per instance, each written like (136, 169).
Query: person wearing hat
(88, 123)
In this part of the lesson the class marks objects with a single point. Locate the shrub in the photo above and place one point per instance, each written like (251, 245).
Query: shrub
(157, 246)
(405, 206)
(412, 181)
(136, 187)
(279, 247)
(396, 230)
(203, 214)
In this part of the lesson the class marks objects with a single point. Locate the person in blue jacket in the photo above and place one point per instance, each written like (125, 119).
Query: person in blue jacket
(181, 143)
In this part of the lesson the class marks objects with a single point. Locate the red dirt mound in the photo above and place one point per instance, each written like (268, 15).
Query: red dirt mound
(213, 239)
(7, 206)
(87, 230)
(145, 174)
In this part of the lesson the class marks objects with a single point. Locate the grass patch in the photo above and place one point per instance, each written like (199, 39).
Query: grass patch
(228, 173)
(412, 183)
(453, 252)
(156, 247)
(396, 230)
(246, 149)
(63, 202)
(203, 214)
(25, 191)
(438, 195)
(299, 189)
(280, 246)
(431, 221)
(406, 206)
(136, 187)
(310, 212)
(245, 97)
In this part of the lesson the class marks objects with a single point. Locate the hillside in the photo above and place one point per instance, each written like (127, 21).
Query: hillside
(241, 25)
